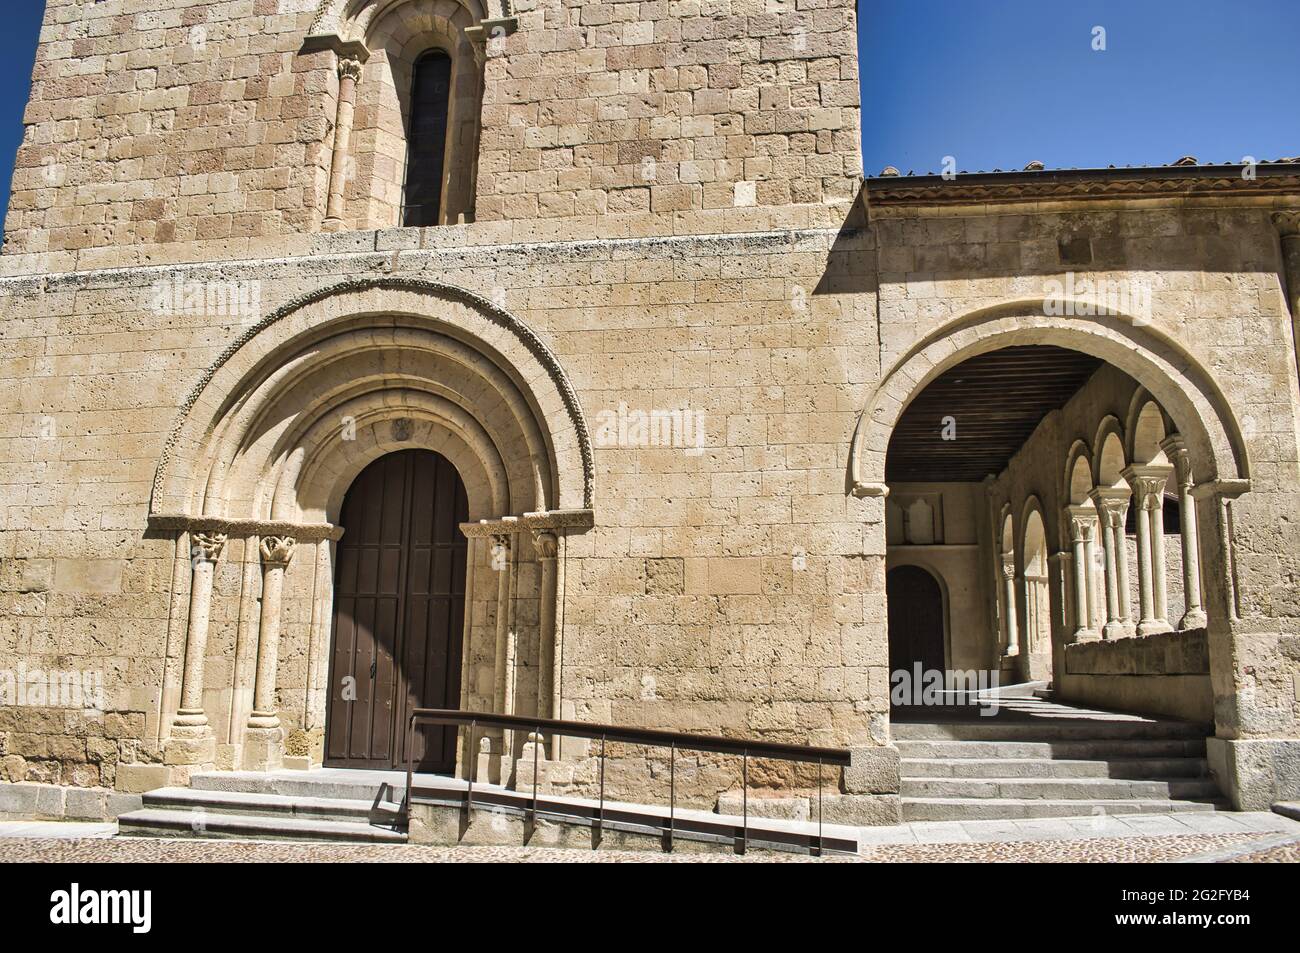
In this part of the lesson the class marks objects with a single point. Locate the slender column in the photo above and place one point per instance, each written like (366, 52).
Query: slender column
(276, 552)
(263, 738)
(205, 550)
(548, 700)
(1194, 612)
(191, 745)
(1009, 596)
(349, 74)
(1148, 483)
(1112, 510)
(1083, 530)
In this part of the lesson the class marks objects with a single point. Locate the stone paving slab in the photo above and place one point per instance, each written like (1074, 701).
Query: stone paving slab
(152, 850)
(56, 829)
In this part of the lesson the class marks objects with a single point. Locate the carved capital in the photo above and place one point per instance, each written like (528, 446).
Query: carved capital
(1287, 223)
(1008, 566)
(207, 546)
(277, 550)
(546, 544)
(1148, 483)
(1175, 449)
(349, 68)
(1112, 506)
(1083, 524)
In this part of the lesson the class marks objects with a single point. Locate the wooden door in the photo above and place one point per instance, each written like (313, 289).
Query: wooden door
(399, 604)
(915, 620)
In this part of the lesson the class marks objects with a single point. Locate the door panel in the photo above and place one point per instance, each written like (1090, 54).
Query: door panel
(398, 612)
(915, 620)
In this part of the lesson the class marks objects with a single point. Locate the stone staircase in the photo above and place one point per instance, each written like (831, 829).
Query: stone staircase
(254, 806)
(1036, 759)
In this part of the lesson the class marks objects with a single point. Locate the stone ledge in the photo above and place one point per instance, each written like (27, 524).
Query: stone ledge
(1167, 653)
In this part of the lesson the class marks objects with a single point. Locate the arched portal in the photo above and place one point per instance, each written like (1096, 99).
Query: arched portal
(399, 608)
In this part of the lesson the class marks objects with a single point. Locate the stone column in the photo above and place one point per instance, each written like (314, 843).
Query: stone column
(548, 694)
(1112, 510)
(503, 698)
(1288, 227)
(349, 74)
(191, 743)
(1148, 483)
(263, 739)
(1009, 596)
(1194, 611)
(1083, 530)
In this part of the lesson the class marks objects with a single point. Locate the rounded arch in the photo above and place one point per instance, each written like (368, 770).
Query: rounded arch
(1147, 427)
(1033, 538)
(1006, 530)
(302, 400)
(1182, 385)
(1111, 458)
(1078, 485)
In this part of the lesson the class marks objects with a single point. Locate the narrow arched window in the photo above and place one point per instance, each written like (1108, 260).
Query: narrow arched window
(426, 139)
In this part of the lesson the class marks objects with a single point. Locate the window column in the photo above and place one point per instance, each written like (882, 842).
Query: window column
(1194, 615)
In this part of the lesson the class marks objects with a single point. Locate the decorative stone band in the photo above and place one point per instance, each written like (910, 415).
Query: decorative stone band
(301, 532)
(537, 524)
(1271, 178)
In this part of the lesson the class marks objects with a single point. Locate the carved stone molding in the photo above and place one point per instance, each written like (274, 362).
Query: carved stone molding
(530, 522)
(1287, 223)
(502, 318)
(276, 550)
(240, 529)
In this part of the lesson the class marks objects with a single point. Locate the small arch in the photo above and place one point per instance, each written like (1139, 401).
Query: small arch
(1078, 475)
(1148, 426)
(1111, 459)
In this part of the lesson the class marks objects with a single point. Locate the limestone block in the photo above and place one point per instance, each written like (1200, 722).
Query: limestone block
(139, 778)
(863, 810)
(18, 800)
(86, 803)
(872, 770)
(765, 805)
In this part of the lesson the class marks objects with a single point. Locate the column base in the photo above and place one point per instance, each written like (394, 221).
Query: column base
(1193, 619)
(263, 748)
(332, 225)
(1118, 630)
(1154, 627)
(191, 747)
(1085, 635)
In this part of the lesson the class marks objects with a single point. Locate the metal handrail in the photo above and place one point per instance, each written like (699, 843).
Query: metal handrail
(653, 737)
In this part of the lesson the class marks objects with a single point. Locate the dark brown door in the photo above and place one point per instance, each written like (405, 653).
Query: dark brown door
(399, 606)
(915, 619)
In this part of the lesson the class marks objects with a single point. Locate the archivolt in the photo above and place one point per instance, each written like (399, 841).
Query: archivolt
(253, 435)
(1172, 375)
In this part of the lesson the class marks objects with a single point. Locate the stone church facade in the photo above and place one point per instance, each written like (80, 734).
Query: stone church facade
(575, 326)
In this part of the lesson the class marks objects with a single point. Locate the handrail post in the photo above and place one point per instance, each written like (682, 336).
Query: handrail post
(744, 801)
(410, 765)
(473, 770)
(672, 797)
(600, 810)
(816, 850)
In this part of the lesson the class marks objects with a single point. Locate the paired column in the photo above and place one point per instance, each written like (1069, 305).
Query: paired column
(1009, 600)
(1083, 531)
(263, 749)
(1112, 510)
(349, 74)
(191, 742)
(1194, 610)
(1148, 483)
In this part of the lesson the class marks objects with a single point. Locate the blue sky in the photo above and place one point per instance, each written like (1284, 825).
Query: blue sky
(996, 83)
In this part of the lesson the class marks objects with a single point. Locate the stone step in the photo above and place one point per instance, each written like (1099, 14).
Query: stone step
(159, 822)
(361, 787)
(991, 809)
(1047, 730)
(1061, 789)
(1104, 750)
(273, 805)
(1131, 768)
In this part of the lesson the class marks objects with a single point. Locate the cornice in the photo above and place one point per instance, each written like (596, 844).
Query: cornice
(302, 532)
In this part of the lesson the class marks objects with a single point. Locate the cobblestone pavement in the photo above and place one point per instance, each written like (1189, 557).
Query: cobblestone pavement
(1093, 850)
